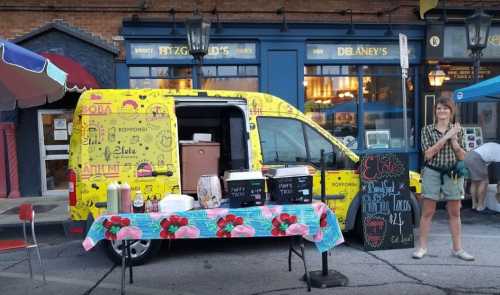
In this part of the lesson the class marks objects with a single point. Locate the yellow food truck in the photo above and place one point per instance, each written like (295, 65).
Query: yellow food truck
(135, 135)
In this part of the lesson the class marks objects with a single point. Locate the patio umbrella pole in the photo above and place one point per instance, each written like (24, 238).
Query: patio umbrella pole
(326, 278)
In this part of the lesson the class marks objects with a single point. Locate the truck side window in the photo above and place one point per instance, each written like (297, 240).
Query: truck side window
(281, 140)
(334, 158)
(316, 142)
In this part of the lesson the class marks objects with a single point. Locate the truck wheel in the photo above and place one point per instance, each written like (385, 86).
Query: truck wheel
(140, 250)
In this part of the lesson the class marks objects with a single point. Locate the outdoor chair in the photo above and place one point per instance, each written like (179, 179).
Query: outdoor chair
(27, 216)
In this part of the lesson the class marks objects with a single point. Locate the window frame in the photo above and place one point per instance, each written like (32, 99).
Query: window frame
(308, 161)
(413, 73)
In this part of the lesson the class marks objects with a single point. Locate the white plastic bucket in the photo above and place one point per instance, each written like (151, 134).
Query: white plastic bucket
(209, 191)
(492, 202)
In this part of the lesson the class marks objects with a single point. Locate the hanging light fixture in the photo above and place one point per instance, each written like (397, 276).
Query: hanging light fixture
(198, 34)
(477, 27)
(198, 37)
(350, 31)
(437, 77)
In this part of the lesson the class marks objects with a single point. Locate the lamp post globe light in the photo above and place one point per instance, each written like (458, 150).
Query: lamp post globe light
(198, 37)
(477, 27)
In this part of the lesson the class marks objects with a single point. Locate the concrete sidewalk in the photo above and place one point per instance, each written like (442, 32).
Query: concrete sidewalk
(48, 210)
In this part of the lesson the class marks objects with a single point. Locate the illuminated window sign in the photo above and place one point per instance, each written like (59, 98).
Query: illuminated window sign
(455, 44)
(360, 51)
(181, 51)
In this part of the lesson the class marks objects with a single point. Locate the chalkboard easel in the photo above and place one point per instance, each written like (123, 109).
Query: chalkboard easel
(386, 210)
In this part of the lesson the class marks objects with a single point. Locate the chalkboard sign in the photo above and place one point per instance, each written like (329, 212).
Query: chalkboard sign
(385, 200)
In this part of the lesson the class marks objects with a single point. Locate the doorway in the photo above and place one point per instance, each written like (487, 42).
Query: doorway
(54, 131)
(283, 75)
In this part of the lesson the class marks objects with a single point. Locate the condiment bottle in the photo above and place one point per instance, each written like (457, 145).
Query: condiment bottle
(148, 206)
(138, 205)
(125, 202)
(154, 205)
(112, 194)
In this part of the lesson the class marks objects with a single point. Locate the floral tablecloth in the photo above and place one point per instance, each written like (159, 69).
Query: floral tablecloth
(315, 222)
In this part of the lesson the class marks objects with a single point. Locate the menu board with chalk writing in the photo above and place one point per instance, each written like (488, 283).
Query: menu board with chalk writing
(386, 209)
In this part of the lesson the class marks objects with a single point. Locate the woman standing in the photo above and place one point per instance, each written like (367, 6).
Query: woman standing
(442, 146)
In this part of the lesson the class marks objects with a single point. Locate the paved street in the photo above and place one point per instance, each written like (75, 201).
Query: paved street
(259, 266)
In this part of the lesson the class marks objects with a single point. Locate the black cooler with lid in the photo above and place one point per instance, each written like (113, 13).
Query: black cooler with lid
(290, 185)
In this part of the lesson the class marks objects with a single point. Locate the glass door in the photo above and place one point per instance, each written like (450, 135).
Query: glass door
(54, 130)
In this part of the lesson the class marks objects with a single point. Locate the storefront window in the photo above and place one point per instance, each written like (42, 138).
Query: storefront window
(162, 77)
(332, 101)
(231, 77)
(383, 108)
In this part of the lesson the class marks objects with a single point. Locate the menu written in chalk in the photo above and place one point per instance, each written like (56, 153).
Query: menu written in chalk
(386, 210)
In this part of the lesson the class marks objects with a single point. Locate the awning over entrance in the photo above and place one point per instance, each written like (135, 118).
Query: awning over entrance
(79, 79)
(484, 91)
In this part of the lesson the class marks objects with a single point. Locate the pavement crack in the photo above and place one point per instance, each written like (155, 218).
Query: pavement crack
(389, 264)
(60, 252)
(14, 264)
(446, 290)
(279, 290)
(100, 280)
(380, 284)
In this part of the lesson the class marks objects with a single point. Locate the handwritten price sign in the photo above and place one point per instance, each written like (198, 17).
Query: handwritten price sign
(385, 202)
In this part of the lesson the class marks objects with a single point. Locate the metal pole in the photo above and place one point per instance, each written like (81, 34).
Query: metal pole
(404, 74)
(477, 65)
(323, 168)
(324, 255)
(199, 74)
(325, 278)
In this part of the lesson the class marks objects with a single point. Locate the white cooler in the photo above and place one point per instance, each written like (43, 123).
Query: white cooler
(492, 202)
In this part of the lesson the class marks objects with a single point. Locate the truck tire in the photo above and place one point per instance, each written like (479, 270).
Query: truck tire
(140, 250)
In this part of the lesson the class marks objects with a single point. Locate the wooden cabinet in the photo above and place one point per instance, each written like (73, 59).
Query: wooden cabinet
(198, 159)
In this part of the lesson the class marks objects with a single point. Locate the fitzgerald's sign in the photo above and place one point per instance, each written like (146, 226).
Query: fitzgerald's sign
(379, 51)
(181, 51)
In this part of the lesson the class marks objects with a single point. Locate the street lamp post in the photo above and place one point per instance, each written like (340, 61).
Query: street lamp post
(477, 27)
(198, 37)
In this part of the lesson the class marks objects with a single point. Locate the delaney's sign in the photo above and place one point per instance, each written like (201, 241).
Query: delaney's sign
(379, 51)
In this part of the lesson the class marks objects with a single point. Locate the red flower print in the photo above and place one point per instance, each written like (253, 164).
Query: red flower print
(281, 224)
(322, 221)
(171, 225)
(113, 226)
(226, 225)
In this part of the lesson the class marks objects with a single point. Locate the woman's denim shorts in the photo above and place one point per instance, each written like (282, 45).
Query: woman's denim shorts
(451, 189)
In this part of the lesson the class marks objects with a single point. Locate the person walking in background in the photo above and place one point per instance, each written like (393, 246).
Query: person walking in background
(477, 162)
(443, 145)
